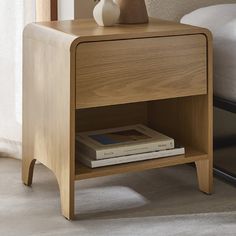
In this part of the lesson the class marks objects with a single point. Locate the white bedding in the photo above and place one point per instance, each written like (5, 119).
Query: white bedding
(221, 21)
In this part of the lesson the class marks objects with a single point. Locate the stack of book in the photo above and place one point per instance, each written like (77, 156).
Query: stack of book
(123, 145)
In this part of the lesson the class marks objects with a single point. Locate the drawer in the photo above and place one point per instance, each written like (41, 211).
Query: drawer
(134, 70)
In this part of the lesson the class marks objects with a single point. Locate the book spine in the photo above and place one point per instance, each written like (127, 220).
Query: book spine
(134, 149)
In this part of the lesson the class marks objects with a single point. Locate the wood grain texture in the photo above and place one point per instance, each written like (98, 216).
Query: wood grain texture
(190, 121)
(111, 116)
(49, 109)
(205, 167)
(126, 71)
(87, 30)
(52, 83)
(205, 175)
(184, 119)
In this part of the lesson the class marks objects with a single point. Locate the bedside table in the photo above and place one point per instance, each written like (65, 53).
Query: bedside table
(80, 77)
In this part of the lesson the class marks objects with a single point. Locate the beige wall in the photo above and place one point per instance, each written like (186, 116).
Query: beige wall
(165, 9)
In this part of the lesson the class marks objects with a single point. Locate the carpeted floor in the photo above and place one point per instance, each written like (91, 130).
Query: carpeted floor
(157, 202)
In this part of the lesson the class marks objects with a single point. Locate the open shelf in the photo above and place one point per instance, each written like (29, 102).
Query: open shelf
(83, 172)
(178, 118)
(158, 75)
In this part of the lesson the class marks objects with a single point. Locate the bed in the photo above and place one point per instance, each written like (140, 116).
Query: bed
(224, 90)
(221, 21)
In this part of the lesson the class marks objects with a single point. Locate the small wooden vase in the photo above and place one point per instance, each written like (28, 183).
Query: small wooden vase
(132, 11)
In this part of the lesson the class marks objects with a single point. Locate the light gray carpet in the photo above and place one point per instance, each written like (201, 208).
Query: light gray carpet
(157, 202)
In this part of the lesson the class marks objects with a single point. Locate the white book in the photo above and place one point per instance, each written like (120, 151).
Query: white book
(90, 162)
(122, 141)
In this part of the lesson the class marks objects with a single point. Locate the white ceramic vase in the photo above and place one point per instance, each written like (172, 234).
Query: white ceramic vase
(106, 13)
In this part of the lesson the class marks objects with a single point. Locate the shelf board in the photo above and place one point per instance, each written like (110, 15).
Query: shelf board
(83, 172)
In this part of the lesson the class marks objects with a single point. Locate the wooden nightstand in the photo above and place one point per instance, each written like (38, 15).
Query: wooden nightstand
(80, 77)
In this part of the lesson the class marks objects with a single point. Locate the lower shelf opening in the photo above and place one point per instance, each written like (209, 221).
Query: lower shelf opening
(84, 172)
(184, 119)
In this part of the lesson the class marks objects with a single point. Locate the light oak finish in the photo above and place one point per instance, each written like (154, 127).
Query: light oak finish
(111, 116)
(88, 31)
(192, 155)
(189, 113)
(48, 109)
(204, 175)
(165, 66)
(173, 95)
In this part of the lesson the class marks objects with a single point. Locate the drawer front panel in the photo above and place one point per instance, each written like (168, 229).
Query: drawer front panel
(125, 71)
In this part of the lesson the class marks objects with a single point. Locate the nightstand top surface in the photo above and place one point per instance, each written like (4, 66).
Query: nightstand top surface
(87, 28)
